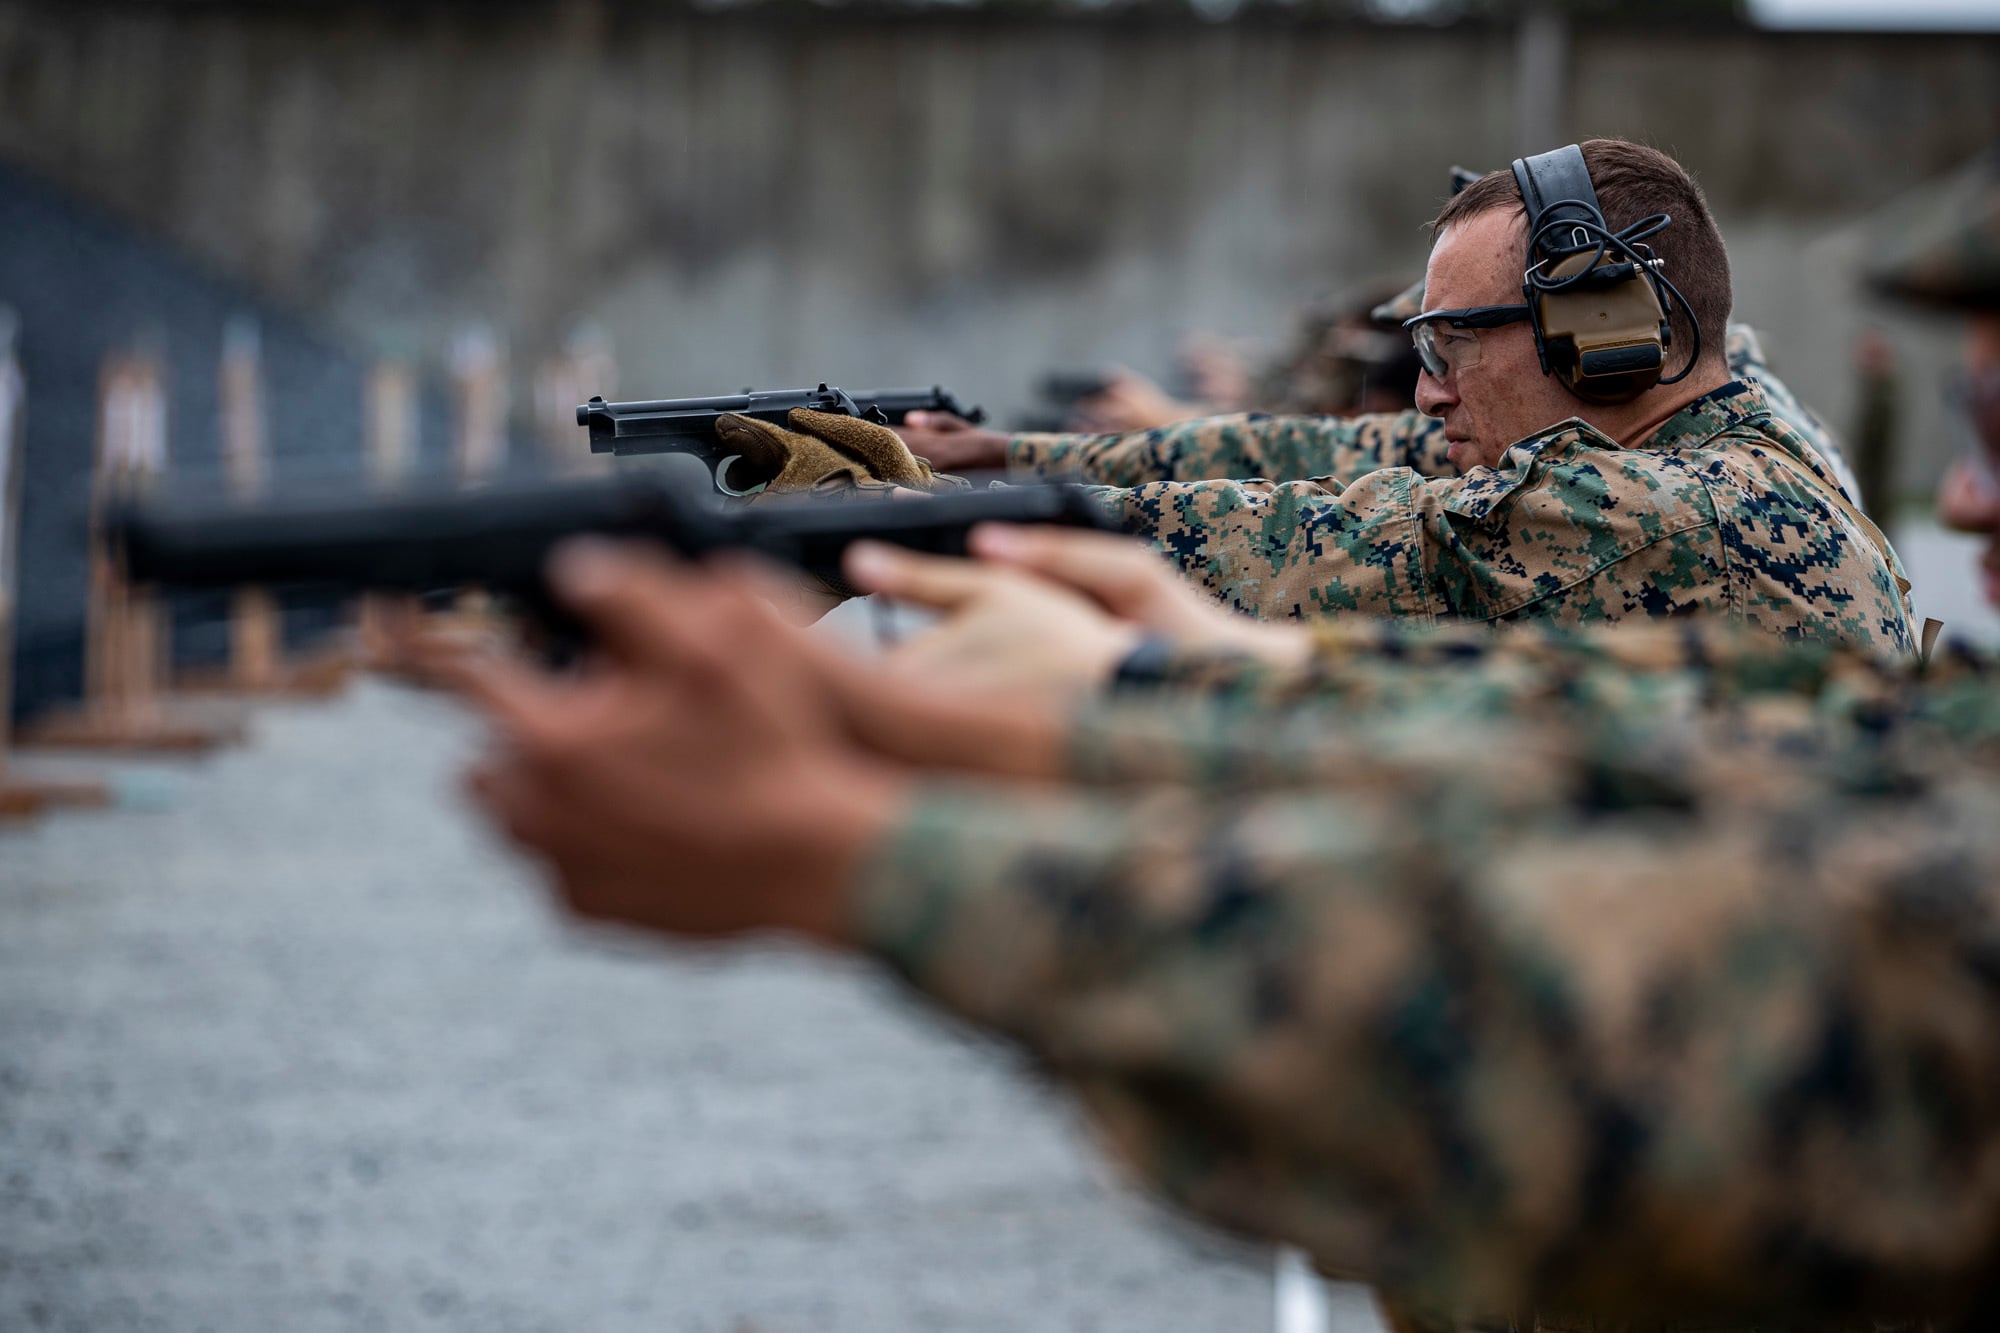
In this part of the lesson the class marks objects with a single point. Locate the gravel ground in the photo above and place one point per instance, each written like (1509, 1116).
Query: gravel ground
(300, 1048)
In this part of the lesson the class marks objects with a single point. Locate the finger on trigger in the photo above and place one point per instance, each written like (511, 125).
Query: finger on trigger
(997, 541)
(939, 582)
(1116, 571)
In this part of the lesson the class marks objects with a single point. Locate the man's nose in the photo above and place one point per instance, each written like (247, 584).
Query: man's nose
(1969, 497)
(1433, 398)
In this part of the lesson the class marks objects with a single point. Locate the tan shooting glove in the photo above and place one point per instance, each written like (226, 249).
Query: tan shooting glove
(825, 452)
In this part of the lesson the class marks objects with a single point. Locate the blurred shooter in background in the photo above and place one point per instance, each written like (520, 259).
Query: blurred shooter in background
(1349, 357)
(1950, 264)
(1515, 494)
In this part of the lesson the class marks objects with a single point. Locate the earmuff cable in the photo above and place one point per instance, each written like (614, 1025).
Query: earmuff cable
(1591, 233)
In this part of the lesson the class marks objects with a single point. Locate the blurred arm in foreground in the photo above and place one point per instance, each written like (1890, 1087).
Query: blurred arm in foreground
(1496, 1014)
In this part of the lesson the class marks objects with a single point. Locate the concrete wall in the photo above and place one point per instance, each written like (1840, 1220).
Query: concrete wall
(965, 198)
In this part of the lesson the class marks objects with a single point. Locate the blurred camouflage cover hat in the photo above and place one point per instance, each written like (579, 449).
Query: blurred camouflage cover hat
(1410, 301)
(1401, 306)
(1941, 243)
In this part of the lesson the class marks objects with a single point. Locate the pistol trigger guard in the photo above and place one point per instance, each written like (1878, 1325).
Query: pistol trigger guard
(722, 483)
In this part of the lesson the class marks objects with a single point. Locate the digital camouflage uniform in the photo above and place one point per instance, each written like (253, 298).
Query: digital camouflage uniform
(1237, 721)
(1278, 448)
(1727, 509)
(1649, 971)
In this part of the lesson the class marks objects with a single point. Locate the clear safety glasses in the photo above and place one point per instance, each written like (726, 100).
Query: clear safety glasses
(1448, 340)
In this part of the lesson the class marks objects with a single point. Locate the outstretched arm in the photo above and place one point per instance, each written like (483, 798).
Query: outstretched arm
(1221, 448)
(1544, 1043)
(1492, 1061)
(1211, 448)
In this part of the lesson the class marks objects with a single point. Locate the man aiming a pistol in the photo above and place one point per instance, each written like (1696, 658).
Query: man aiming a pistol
(1534, 498)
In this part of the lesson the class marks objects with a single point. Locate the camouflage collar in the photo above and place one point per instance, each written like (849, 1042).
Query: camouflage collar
(1703, 419)
(1710, 415)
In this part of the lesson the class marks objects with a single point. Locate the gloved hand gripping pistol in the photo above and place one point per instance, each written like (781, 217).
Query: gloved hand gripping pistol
(689, 425)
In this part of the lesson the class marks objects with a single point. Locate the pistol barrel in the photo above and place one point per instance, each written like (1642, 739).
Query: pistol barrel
(500, 537)
(687, 425)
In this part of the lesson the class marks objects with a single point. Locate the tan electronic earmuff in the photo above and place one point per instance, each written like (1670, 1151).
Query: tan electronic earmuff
(1598, 300)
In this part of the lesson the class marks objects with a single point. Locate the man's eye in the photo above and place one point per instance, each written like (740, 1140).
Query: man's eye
(1458, 338)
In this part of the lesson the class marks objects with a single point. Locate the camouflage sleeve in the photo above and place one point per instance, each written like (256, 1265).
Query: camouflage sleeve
(1416, 1027)
(1217, 448)
(1300, 549)
(1357, 660)
(1375, 691)
(1348, 655)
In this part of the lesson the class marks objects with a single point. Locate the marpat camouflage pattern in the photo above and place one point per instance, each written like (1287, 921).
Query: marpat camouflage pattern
(1648, 972)
(1279, 448)
(1726, 510)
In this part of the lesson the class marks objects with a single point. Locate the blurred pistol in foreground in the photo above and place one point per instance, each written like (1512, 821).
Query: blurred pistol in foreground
(499, 538)
(687, 425)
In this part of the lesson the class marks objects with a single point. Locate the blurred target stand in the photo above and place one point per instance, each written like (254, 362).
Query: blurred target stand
(127, 646)
(178, 383)
(582, 368)
(258, 662)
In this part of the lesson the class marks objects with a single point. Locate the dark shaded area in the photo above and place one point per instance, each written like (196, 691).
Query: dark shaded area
(1430, 13)
(86, 285)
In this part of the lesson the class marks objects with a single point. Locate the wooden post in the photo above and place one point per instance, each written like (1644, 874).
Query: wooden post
(389, 451)
(390, 422)
(479, 405)
(123, 659)
(257, 662)
(584, 366)
(126, 648)
(255, 628)
(479, 433)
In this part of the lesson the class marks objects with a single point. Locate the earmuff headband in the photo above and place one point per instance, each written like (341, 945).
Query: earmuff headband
(1558, 178)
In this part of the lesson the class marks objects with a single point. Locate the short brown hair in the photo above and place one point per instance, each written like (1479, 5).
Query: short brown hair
(1632, 182)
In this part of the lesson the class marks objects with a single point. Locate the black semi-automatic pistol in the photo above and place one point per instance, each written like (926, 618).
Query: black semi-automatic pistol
(687, 425)
(499, 537)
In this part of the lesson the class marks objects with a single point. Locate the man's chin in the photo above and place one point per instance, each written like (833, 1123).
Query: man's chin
(1462, 455)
